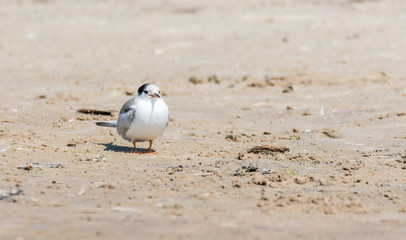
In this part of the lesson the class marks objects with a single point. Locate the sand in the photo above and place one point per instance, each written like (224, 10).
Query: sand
(288, 119)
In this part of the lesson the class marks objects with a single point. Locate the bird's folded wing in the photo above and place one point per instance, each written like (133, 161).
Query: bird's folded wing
(126, 116)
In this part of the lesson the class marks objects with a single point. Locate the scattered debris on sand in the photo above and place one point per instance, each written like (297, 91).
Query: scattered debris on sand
(268, 149)
(96, 111)
(6, 193)
(29, 167)
(332, 133)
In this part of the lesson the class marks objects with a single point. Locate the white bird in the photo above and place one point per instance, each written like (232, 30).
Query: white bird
(142, 118)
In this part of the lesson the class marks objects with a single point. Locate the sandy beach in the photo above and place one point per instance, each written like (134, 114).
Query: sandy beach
(287, 119)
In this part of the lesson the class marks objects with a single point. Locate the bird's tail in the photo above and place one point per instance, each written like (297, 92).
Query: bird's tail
(107, 124)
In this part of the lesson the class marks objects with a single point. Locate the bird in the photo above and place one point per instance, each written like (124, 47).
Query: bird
(142, 118)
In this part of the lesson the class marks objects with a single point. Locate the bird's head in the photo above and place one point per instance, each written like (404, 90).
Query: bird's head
(149, 90)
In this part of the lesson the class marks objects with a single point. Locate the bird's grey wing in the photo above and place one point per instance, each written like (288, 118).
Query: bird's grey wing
(125, 117)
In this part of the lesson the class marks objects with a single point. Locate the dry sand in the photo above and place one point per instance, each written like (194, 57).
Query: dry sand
(323, 78)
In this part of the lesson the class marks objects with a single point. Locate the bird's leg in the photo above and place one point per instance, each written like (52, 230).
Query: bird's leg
(150, 146)
(135, 148)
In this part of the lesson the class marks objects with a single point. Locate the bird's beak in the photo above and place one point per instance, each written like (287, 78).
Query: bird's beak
(155, 95)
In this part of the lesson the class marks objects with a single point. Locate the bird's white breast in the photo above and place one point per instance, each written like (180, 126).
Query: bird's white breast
(151, 119)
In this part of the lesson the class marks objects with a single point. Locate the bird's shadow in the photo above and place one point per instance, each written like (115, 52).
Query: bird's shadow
(116, 148)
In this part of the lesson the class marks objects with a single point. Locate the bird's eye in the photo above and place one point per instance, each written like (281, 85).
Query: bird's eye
(145, 91)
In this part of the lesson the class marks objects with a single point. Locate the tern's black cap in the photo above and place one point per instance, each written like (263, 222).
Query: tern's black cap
(143, 87)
